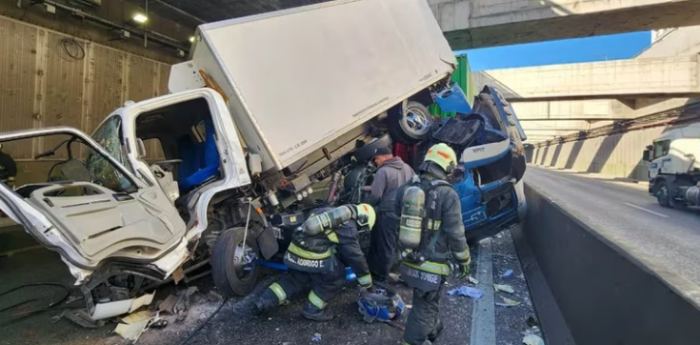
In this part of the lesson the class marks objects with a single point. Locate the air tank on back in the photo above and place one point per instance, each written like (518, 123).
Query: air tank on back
(412, 212)
(327, 220)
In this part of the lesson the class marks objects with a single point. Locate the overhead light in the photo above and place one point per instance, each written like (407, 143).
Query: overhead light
(140, 18)
(192, 39)
(50, 9)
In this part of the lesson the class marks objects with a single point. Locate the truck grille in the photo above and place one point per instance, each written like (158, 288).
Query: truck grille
(487, 196)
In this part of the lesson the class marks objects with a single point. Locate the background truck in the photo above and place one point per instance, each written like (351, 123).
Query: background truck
(269, 108)
(674, 169)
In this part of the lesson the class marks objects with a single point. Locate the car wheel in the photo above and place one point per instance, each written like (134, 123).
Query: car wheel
(662, 195)
(412, 125)
(365, 153)
(234, 265)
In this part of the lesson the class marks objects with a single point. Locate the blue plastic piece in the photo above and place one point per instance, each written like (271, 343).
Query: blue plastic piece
(453, 99)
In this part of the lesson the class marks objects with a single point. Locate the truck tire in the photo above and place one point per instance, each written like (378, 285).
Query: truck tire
(228, 278)
(365, 153)
(412, 125)
(662, 195)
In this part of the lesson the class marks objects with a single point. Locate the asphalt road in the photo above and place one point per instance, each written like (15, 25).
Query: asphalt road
(627, 214)
(467, 321)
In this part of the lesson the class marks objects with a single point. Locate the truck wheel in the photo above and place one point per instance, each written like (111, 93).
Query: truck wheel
(662, 195)
(234, 265)
(365, 153)
(412, 125)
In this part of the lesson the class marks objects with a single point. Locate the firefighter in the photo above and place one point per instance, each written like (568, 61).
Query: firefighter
(316, 258)
(430, 234)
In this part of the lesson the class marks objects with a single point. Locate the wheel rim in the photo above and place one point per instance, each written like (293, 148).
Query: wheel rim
(662, 195)
(244, 261)
(415, 121)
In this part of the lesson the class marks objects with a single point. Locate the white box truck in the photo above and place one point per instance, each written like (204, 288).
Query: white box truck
(267, 106)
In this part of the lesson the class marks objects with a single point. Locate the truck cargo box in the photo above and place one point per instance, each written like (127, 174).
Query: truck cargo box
(299, 78)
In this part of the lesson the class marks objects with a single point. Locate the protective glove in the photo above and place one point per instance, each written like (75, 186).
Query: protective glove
(463, 271)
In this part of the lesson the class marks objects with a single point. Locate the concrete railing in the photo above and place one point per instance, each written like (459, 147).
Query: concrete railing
(588, 289)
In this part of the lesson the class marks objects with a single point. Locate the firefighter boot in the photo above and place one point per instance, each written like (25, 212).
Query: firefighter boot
(312, 312)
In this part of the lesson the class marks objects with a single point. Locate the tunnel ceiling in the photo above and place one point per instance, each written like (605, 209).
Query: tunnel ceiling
(215, 10)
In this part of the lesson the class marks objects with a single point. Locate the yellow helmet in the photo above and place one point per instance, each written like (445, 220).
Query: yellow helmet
(366, 216)
(442, 155)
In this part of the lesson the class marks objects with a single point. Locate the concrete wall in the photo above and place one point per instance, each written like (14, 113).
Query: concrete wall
(42, 85)
(605, 292)
(618, 155)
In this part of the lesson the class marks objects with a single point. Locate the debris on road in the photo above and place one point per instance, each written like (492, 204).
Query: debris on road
(317, 337)
(507, 303)
(473, 280)
(533, 339)
(466, 291)
(504, 288)
(507, 273)
(135, 324)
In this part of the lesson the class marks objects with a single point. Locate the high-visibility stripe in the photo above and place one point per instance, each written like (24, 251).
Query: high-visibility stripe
(444, 155)
(315, 300)
(333, 237)
(431, 267)
(307, 254)
(279, 292)
(463, 255)
(434, 224)
(365, 280)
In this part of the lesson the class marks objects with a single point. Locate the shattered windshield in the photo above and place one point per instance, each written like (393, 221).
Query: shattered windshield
(65, 158)
(108, 136)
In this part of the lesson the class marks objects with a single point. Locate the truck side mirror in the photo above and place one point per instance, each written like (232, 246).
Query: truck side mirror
(647, 156)
(141, 148)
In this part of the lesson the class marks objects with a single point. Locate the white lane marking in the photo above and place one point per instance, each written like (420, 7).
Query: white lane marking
(645, 210)
(562, 181)
(484, 316)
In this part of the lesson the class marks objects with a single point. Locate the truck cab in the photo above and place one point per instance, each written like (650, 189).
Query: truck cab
(489, 140)
(674, 166)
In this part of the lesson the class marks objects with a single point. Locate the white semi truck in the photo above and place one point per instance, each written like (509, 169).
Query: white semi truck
(267, 107)
(674, 167)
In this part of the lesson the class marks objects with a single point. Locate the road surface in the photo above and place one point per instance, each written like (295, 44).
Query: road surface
(627, 214)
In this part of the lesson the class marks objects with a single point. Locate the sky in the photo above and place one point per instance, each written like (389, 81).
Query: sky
(599, 48)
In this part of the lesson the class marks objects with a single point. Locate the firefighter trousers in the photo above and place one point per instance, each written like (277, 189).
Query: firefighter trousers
(424, 316)
(324, 286)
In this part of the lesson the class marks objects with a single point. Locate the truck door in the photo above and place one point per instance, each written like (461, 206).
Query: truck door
(106, 213)
(659, 158)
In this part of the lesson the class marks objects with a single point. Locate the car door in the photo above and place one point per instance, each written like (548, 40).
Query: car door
(113, 215)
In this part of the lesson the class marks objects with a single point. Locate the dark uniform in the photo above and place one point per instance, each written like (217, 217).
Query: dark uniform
(318, 262)
(382, 252)
(442, 239)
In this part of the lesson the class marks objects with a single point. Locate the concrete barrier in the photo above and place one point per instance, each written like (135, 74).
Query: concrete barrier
(605, 293)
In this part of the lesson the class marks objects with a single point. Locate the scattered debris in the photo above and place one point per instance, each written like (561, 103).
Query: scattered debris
(507, 273)
(317, 337)
(213, 296)
(473, 280)
(504, 288)
(139, 317)
(533, 339)
(112, 309)
(158, 324)
(531, 322)
(169, 304)
(507, 303)
(134, 324)
(466, 291)
(408, 306)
